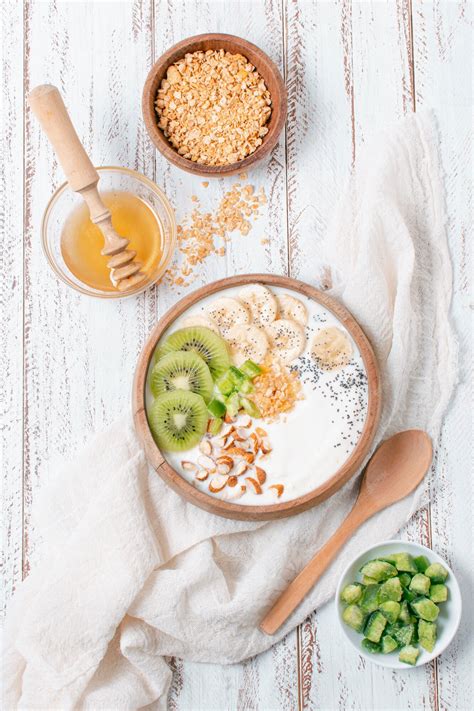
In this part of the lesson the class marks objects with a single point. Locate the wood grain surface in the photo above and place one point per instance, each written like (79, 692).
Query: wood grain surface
(350, 68)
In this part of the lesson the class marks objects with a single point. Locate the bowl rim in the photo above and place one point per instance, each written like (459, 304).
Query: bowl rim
(180, 49)
(384, 659)
(278, 510)
(83, 288)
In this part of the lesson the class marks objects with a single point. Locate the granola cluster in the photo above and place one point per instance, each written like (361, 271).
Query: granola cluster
(276, 390)
(204, 233)
(213, 107)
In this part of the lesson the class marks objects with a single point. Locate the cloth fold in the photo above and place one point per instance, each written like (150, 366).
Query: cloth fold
(131, 573)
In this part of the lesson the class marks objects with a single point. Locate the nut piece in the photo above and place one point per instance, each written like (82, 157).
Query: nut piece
(234, 493)
(265, 446)
(245, 421)
(189, 466)
(205, 447)
(278, 489)
(206, 463)
(232, 481)
(217, 483)
(261, 475)
(253, 483)
(241, 468)
(202, 475)
(223, 469)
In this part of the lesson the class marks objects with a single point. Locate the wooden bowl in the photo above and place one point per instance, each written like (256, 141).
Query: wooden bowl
(267, 70)
(277, 510)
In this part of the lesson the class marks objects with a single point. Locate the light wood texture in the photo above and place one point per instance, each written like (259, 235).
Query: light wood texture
(289, 508)
(236, 45)
(394, 471)
(46, 103)
(350, 68)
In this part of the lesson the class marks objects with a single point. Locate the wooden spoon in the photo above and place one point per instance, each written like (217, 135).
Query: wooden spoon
(395, 470)
(47, 105)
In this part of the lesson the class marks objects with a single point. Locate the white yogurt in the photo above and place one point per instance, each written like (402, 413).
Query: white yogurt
(313, 441)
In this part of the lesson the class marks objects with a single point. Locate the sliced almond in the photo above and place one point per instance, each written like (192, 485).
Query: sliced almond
(223, 469)
(189, 466)
(228, 442)
(228, 419)
(205, 447)
(217, 483)
(245, 421)
(255, 442)
(240, 434)
(249, 457)
(278, 489)
(241, 468)
(261, 475)
(260, 432)
(202, 475)
(265, 445)
(253, 483)
(225, 459)
(232, 481)
(206, 462)
(236, 451)
(218, 442)
(226, 430)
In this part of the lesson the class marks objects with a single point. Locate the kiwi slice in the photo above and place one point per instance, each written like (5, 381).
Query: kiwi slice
(181, 370)
(207, 344)
(178, 420)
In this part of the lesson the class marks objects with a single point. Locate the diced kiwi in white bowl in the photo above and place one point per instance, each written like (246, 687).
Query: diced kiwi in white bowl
(398, 604)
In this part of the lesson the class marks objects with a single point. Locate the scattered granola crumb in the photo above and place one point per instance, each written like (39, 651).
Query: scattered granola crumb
(199, 233)
(213, 107)
(265, 240)
(277, 389)
(205, 184)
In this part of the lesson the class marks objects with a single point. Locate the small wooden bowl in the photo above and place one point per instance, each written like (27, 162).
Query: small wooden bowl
(267, 70)
(287, 508)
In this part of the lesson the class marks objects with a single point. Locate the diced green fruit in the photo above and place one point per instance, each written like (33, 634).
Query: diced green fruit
(421, 563)
(375, 626)
(215, 425)
(233, 404)
(379, 570)
(368, 581)
(370, 646)
(370, 598)
(405, 615)
(251, 369)
(246, 386)
(390, 610)
(438, 593)
(391, 589)
(250, 407)
(404, 635)
(408, 595)
(388, 644)
(409, 654)
(404, 562)
(436, 572)
(351, 593)
(420, 584)
(216, 408)
(225, 384)
(405, 580)
(425, 608)
(235, 375)
(354, 617)
(427, 635)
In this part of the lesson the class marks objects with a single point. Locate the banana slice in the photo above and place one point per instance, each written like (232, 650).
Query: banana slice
(331, 348)
(260, 302)
(198, 320)
(227, 312)
(287, 339)
(247, 341)
(291, 308)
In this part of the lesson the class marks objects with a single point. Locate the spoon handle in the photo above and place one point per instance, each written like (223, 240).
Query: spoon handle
(305, 580)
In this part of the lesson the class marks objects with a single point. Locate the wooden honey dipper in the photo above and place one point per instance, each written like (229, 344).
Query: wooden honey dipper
(47, 105)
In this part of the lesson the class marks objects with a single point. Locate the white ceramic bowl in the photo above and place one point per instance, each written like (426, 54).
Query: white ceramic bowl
(450, 611)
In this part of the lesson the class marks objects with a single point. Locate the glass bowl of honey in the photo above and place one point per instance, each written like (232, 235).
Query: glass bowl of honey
(140, 212)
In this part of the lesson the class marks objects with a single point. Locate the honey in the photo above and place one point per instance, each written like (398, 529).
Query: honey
(82, 241)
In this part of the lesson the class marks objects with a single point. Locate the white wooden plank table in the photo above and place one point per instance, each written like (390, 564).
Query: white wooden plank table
(350, 67)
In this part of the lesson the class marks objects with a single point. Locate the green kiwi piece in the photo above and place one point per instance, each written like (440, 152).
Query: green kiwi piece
(178, 420)
(207, 344)
(182, 370)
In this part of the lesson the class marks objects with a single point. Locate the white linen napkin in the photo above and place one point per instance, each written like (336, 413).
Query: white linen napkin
(134, 573)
